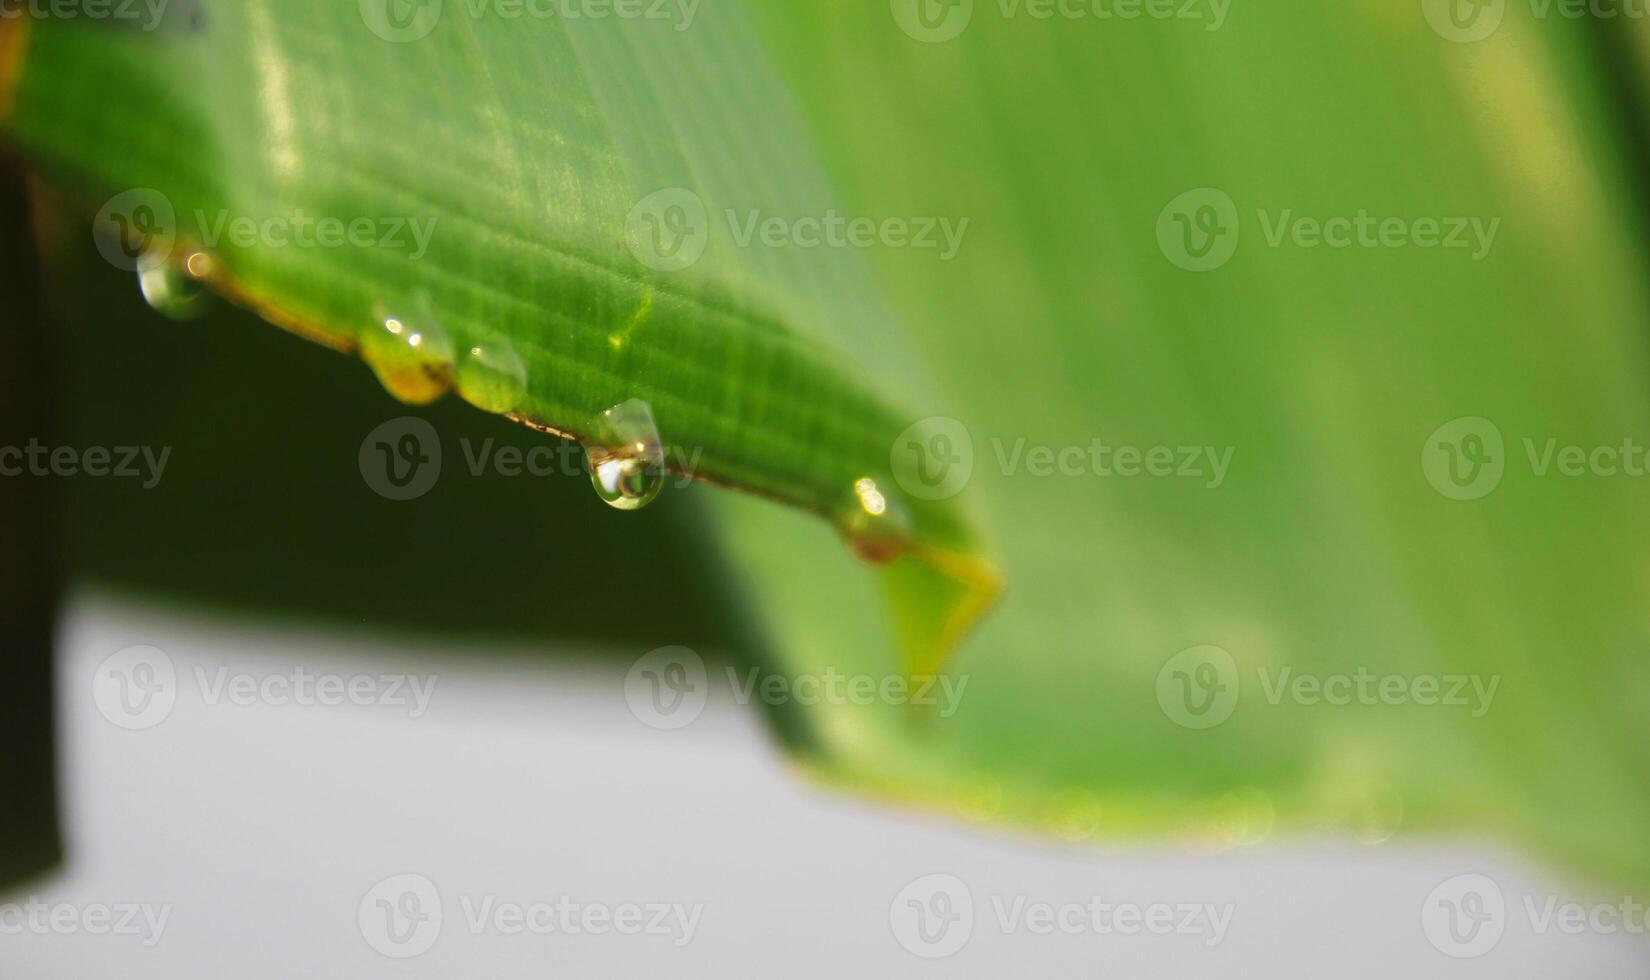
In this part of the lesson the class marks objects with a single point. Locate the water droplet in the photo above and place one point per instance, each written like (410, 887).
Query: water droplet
(627, 460)
(492, 376)
(1073, 814)
(1241, 818)
(177, 290)
(413, 357)
(979, 796)
(1378, 816)
(874, 524)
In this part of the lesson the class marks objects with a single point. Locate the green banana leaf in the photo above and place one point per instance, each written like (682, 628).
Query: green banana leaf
(556, 263)
(1087, 156)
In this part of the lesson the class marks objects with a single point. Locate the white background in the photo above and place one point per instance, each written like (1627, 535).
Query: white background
(528, 779)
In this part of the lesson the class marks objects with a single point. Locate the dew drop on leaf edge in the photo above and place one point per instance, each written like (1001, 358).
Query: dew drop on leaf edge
(177, 290)
(410, 353)
(491, 376)
(627, 459)
(874, 525)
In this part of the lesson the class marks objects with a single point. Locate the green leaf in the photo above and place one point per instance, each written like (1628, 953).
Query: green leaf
(1325, 550)
(535, 197)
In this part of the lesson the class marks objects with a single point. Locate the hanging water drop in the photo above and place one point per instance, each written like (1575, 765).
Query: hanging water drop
(627, 460)
(1379, 814)
(412, 357)
(874, 525)
(978, 796)
(1074, 814)
(177, 290)
(492, 377)
(1240, 818)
